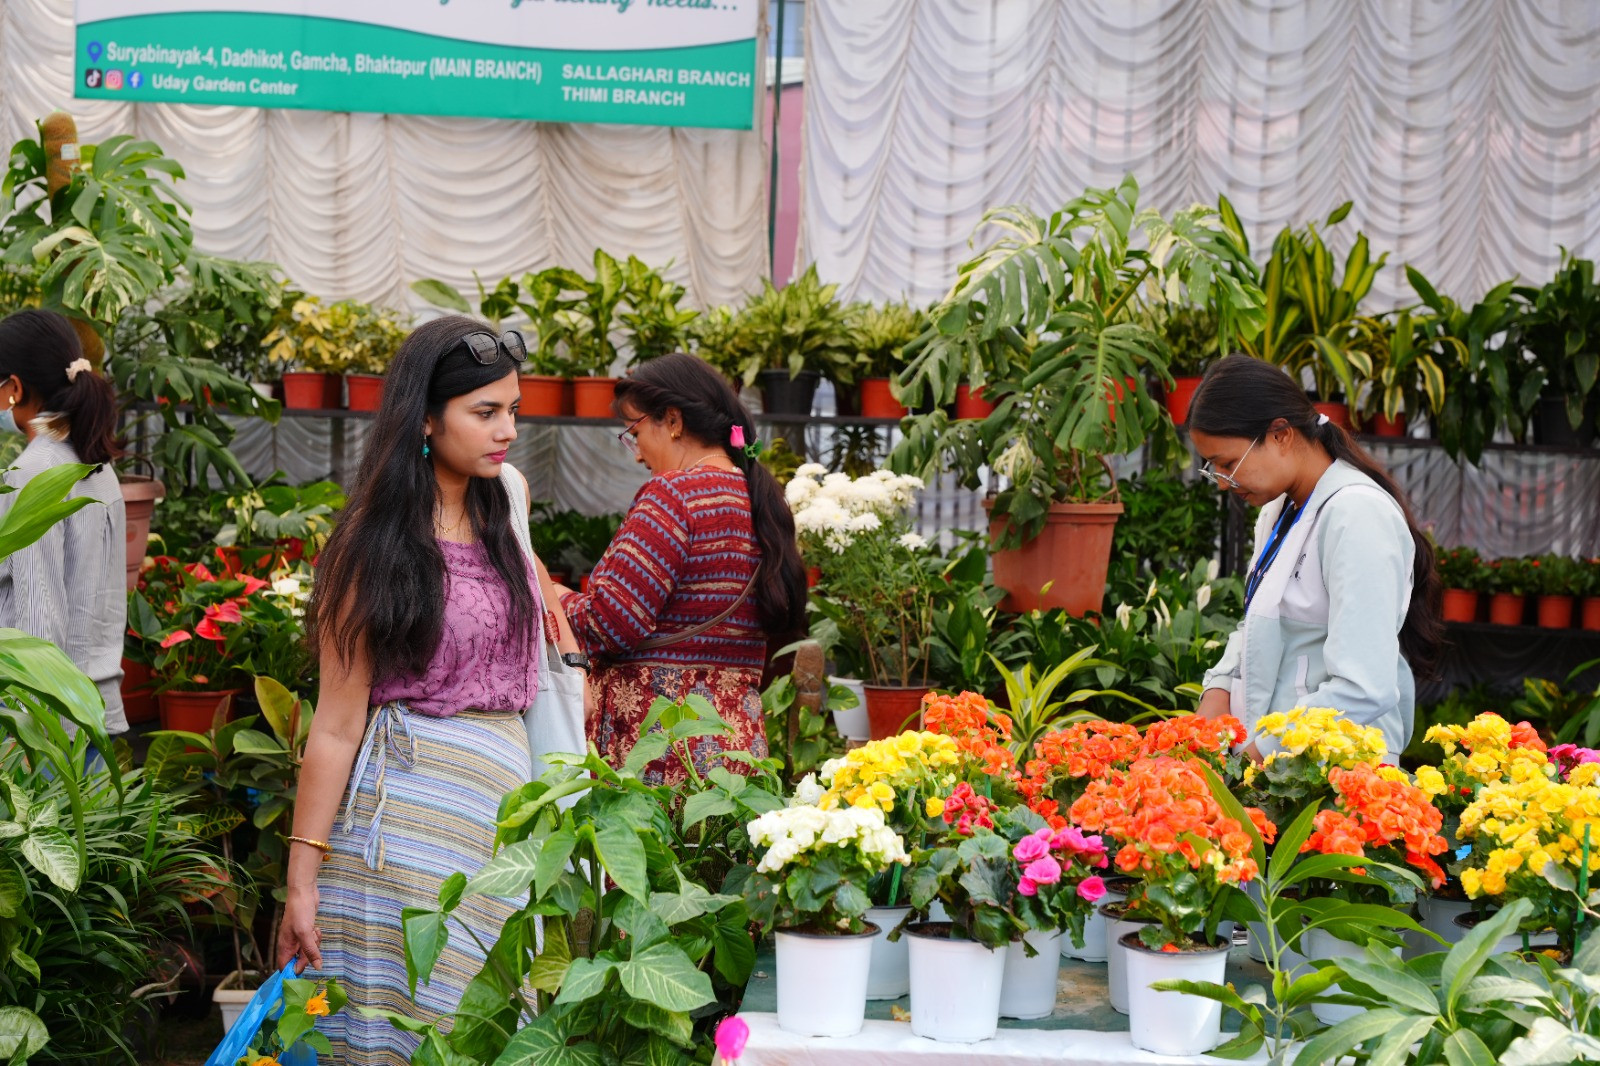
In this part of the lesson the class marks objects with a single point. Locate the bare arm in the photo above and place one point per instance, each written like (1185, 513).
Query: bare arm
(336, 732)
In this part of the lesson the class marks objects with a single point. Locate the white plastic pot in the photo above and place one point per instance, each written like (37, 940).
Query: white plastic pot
(233, 993)
(1117, 955)
(1544, 938)
(1172, 1023)
(1094, 932)
(852, 723)
(1028, 989)
(1320, 946)
(889, 976)
(1437, 916)
(955, 986)
(822, 982)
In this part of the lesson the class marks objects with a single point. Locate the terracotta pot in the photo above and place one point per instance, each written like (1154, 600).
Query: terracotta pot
(194, 712)
(1178, 398)
(892, 709)
(1460, 605)
(1505, 609)
(591, 397)
(1589, 616)
(306, 391)
(138, 701)
(1117, 391)
(365, 392)
(139, 496)
(569, 402)
(543, 395)
(1555, 612)
(970, 405)
(1071, 554)
(1338, 413)
(878, 402)
(1383, 427)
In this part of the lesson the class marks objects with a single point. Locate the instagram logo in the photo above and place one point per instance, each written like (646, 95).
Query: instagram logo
(114, 79)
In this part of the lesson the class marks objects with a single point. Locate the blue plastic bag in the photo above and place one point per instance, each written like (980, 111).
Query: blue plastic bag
(264, 1004)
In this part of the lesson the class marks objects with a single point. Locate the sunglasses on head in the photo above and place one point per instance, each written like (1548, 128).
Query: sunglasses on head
(485, 347)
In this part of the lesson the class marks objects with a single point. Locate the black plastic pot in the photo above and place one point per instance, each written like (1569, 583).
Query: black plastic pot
(783, 395)
(1550, 425)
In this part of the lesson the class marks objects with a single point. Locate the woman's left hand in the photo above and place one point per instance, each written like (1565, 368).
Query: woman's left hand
(1254, 752)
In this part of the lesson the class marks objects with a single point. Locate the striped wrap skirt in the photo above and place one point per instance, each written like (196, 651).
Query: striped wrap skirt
(423, 798)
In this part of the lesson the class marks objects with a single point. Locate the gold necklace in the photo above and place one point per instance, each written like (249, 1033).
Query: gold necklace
(698, 463)
(449, 531)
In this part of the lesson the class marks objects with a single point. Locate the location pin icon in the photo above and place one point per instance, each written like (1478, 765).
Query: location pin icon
(95, 51)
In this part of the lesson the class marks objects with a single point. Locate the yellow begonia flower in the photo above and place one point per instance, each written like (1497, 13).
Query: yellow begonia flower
(1538, 859)
(1471, 881)
(1431, 781)
(934, 807)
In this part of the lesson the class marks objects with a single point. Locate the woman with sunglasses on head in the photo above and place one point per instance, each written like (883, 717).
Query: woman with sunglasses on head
(70, 586)
(428, 616)
(1342, 594)
(703, 577)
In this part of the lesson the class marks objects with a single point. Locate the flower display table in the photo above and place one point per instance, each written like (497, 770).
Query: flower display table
(1084, 1030)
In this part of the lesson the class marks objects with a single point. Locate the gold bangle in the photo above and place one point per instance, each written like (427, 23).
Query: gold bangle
(321, 845)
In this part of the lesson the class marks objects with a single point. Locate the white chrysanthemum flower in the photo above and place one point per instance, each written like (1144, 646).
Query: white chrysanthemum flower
(810, 470)
(799, 491)
(864, 523)
(913, 541)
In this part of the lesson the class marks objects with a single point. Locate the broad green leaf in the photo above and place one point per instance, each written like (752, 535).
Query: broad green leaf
(702, 805)
(662, 974)
(254, 742)
(1395, 1048)
(551, 964)
(674, 1025)
(733, 950)
(622, 854)
(425, 939)
(51, 852)
(1464, 961)
(1465, 1048)
(1337, 1041)
(21, 1033)
(1549, 1043)
(13, 889)
(1392, 984)
(585, 978)
(441, 295)
(24, 961)
(552, 860)
(277, 706)
(508, 873)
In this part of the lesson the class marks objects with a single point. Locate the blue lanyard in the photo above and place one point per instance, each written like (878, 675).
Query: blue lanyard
(1280, 533)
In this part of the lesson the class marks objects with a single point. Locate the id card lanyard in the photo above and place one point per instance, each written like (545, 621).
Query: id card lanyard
(1280, 533)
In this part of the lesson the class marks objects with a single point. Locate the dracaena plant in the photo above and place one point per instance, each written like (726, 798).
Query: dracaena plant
(1052, 321)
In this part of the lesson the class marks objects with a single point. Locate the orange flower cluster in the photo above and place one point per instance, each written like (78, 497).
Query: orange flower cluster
(1523, 735)
(1162, 807)
(1192, 735)
(1082, 751)
(1376, 811)
(980, 732)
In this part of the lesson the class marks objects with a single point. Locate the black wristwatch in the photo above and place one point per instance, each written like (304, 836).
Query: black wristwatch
(576, 659)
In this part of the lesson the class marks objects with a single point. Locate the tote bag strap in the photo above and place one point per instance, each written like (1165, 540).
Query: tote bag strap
(652, 643)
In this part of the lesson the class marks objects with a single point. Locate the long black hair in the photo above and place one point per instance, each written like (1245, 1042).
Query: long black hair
(1242, 397)
(710, 410)
(381, 579)
(40, 348)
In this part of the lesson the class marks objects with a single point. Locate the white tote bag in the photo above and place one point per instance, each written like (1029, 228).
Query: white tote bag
(555, 721)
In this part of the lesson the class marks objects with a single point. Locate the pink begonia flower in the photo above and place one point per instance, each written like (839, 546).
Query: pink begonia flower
(1027, 887)
(1068, 838)
(1030, 849)
(1045, 871)
(730, 1038)
(1091, 888)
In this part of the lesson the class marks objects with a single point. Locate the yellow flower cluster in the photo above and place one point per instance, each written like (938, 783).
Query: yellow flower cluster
(1520, 825)
(1325, 734)
(873, 774)
(1484, 731)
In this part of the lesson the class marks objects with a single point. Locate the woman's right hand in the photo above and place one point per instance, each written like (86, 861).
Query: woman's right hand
(298, 934)
(1214, 703)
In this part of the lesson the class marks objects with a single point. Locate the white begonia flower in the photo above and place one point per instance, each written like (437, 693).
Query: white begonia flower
(808, 792)
(1213, 568)
(829, 770)
(1124, 616)
(913, 541)
(1202, 596)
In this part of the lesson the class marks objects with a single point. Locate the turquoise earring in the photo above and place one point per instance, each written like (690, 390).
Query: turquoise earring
(426, 451)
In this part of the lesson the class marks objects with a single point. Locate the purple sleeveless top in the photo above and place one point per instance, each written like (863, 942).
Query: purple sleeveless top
(476, 666)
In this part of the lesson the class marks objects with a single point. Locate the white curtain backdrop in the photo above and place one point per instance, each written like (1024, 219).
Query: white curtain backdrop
(1467, 132)
(360, 205)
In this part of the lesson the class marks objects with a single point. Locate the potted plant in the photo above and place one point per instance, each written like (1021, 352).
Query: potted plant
(324, 342)
(1509, 581)
(1483, 373)
(793, 337)
(1560, 330)
(811, 885)
(879, 335)
(578, 317)
(654, 324)
(1407, 378)
(1191, 336)
(1188, 854)
(878, 583)
(1049, 320)
(1589, 582)
(545, 380)
(1461, 573)
(1556, 579)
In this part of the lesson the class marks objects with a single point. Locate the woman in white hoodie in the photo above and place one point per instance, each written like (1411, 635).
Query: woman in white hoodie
(1342, 594)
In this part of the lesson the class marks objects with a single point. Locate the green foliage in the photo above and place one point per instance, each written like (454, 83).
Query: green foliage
(273, 512)
(1460, 568)
(645, 940)
(813, 739)
(222, 310)
(974, 877)
(879, 333)
(656, 325)
(1516, 577)
(1408, 352)
(1035, 710)
(1190, 333)
(570, 540)
(1560, 331)
(347, 337)
(1050, 320)
(1166, 523)
(801, 326)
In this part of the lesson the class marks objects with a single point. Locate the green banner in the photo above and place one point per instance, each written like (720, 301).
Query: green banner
(260, 59)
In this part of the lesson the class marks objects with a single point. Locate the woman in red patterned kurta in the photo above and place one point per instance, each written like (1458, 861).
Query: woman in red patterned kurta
(701, 579)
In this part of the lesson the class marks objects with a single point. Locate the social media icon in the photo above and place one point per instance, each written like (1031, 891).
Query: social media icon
(91, 77)
(135, 79)
(114, 80)
(95, 51)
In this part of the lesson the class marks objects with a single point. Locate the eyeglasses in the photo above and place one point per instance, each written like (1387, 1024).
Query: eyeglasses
(629, 441)
(1211, 474)
(485, 347)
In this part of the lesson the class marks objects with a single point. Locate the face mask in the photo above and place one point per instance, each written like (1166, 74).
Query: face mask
(8, 422)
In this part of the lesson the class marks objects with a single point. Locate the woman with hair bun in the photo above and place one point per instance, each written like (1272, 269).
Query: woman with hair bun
(1342, 595)
(70, 586)
(702, 578)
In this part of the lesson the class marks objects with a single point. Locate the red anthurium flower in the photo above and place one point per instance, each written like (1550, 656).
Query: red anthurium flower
(208, 629)
(252, 585)
(177, 636)
(226, 611)
(199, 571)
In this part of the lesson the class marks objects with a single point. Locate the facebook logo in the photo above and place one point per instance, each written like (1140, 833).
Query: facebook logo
(135, 80)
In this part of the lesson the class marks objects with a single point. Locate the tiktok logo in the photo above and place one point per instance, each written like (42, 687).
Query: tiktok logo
(92, 77)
